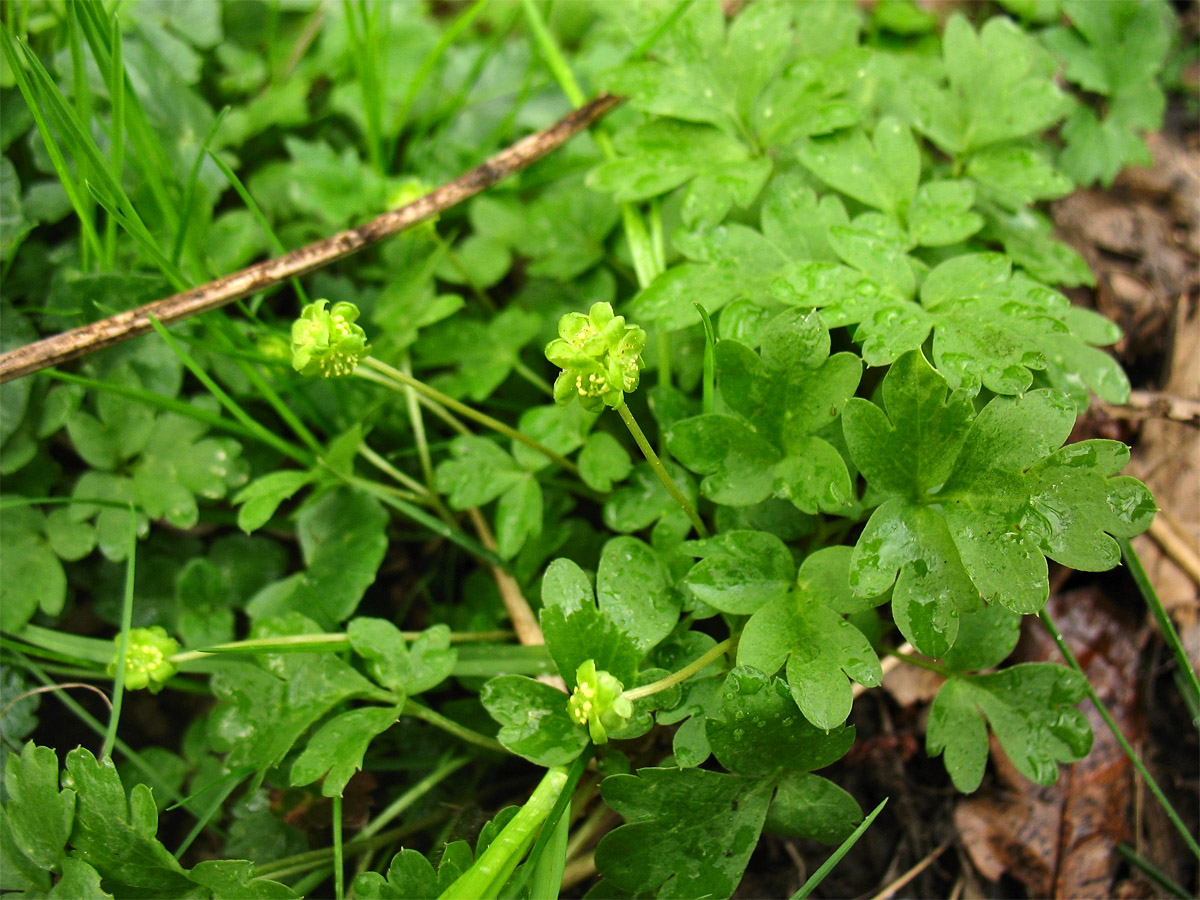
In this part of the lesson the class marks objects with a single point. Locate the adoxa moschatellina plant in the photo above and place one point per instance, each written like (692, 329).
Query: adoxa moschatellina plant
(601, 361)
(966, 500)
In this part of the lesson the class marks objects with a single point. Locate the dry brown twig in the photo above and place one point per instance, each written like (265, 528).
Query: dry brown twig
(260, 276)
(1154, 404)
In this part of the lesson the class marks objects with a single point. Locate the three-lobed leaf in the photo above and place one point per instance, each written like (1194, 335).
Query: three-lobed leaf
(1031, 709)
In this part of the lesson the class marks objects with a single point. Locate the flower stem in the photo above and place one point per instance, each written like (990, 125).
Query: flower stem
(387, 468)
(436, 719)
(408, 381)
(682, 675)
(661, 471)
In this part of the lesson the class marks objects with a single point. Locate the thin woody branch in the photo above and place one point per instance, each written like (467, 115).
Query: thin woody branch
(253, 279)
(1157, 405)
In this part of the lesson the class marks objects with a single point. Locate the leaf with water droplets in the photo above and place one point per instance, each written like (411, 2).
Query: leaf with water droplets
(703, 70)
(577, 630)
(759, 731)
(739, 571)
(882, 172)
(688, 832)
(975, 502)
(1031, 709)
(634, 591)
(991, 327)
(178, 465)
(821, 648)
(534, 722)
(768, 447)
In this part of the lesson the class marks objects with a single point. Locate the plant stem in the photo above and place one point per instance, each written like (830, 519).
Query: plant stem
(387, 468)
(302, 862)
(413, 794)
(641, 245)
(425, 714)
(339, 874)
(318, 643)
(547, 873)
(533, 378)
(1153, 872)
(462, 409)
(682, 675)
(661, 471)
(110, 734)
(1112, 726)
(919, 661)
(436, 408)
(826, 867)
(136, 759)
(1170, 635)
(418, 427)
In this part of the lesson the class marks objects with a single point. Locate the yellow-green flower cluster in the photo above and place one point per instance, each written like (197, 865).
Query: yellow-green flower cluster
(601, 358)
(148, 658)
(326, 342)
(598, 701)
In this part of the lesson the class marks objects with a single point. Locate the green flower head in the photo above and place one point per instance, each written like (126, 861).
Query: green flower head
(326, 342)
(148, 659)
(600, 357)
(598, 701)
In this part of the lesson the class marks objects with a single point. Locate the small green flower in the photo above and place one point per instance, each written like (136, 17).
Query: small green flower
(326, 342)
(600, 357)
(148, 659)
(598, 701)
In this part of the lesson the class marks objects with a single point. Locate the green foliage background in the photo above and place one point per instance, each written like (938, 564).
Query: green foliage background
(869, 411)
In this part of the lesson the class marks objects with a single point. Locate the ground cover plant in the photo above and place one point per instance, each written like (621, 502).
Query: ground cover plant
(546, 544)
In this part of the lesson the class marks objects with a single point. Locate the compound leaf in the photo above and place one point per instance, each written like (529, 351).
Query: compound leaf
(115, 833)
(38, 816)
(738, 464)
(979, 521)
(395, 664)
(577, 630)
(477, 472)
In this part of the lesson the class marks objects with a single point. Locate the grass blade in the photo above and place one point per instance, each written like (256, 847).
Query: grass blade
(1191, 686)
(826, 867)
(1116, 731)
